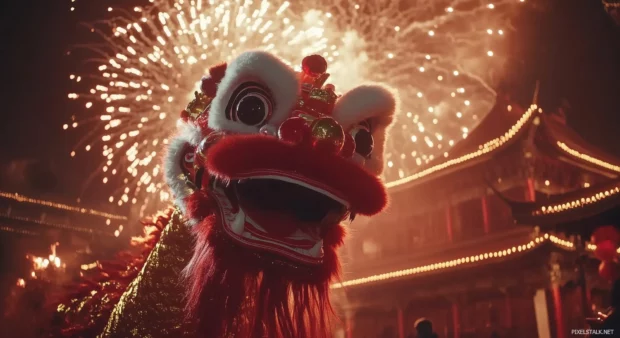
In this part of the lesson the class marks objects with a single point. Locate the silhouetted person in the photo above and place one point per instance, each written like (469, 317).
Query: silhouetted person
(424, 328)
(613, 317)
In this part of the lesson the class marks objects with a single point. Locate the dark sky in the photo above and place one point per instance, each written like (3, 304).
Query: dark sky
(572, 47)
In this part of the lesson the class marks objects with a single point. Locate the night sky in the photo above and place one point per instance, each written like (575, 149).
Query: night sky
(571, 46)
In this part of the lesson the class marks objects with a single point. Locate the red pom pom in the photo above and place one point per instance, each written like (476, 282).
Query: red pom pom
(606, 233)
(606, 251)
(210, 82)
(208, 86)
(608, 271)
(349, 146)
(184, 115)
(314, 65)
(295, 130)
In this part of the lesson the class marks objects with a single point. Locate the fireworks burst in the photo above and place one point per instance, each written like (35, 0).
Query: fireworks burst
(437, 54)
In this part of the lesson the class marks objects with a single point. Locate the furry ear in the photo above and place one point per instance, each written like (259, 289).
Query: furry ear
(376, 104)
(265, 69)
(209, 83)
(188, 134)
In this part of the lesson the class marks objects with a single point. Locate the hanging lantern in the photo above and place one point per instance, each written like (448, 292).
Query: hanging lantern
(606, 233)
(613, 9)
(606, 251)
(608, 271)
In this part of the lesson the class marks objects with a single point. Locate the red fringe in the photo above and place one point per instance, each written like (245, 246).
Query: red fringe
(241, 293)
(110, 279)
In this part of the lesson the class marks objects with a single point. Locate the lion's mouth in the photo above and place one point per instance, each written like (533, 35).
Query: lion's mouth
(282, 214)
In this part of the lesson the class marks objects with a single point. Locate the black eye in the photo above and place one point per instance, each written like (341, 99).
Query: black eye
(364, 142)
(250, 104)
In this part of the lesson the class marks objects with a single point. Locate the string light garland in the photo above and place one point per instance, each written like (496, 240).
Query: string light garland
(89, 266)
(18, 231)
(579, 202)
(463, 261)
(482, 149)
(588, 158)
(442, 82)
(24, 199)
(54, 225)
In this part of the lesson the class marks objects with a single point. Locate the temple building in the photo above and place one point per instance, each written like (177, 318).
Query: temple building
(448, 248)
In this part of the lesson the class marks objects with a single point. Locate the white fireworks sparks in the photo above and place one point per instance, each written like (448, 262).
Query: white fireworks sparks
(438, 56)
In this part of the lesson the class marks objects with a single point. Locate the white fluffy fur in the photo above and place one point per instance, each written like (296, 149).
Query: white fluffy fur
(258, 67)
(376, 103)
(187, 134)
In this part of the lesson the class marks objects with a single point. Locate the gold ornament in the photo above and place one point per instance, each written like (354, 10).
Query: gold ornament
(152, 305)
(327, 134)
(198, 105)
(323, 95)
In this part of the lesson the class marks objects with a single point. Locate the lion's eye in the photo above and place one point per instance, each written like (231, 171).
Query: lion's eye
(250, 104)
(364, 143)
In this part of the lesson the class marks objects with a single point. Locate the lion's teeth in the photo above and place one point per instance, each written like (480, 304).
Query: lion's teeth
(238, 224)
(316, 249)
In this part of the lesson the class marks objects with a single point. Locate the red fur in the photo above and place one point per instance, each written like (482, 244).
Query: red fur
(241, 293)
(236, 155)
(198, 205)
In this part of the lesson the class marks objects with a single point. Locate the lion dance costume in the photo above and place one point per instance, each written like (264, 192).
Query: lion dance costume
(264, 167)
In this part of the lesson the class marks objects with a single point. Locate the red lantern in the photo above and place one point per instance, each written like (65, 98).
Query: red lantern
(606, 233)
(606, 251)
(608, 271)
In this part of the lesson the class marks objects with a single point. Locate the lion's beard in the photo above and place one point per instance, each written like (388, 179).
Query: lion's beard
(236, 292)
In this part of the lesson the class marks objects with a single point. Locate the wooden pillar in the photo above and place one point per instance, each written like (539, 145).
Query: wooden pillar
(542, 314)
(449, 225)
(485, 215)
(456, 320)
(401, 322)
(530, 194)
(559, 316)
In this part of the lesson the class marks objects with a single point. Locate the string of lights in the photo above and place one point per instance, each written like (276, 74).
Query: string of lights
(482, 149)
(18, 231)
(55, 225)
(467, 260)
(579, 202)
(24, 199)
(588, 158)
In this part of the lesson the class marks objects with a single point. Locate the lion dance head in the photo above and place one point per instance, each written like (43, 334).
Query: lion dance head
(265, 166)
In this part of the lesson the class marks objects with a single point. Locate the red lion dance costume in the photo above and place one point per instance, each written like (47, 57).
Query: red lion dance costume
(266, 164)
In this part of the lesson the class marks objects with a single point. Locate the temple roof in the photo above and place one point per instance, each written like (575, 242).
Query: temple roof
(502, 252)
(507, 124)
(573, 212)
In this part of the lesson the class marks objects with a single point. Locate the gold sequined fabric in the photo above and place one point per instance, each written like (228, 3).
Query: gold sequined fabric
(152, 305)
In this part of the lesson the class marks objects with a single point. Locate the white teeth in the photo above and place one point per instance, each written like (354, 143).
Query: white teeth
(316, 249)
(238, 224)
(311, 235)
(258, 227)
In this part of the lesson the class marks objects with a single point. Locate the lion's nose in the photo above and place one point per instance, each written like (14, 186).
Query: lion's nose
(322, 133)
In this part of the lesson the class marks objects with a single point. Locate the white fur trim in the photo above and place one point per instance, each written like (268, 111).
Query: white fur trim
(258, 67)
(187, 134)
(376, 103)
